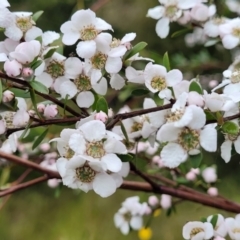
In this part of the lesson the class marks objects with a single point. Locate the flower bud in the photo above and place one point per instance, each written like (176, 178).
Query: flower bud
(166, 201)
(45, 147)
(12, 68)
(50, 111)
(8, 96)
(27, 73)
(53, 183)
(153, 201)
(209, 175)
(102, 116)
(41, 107)
(190, 176)
(195, 98)
(212, 191)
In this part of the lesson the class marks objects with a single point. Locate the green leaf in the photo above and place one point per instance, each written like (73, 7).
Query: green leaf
(136, 49)
(33, 98)
(39, 38)
(39, 87)
(182, 180)
(230, 127)
(203, 219)
(166, 62)
(102, 105)
(181, 32)
(36, 64)
(139, 92)
(209, 115)
(5, 175)
(214, 220)
(1, 90)
(25, 130)
(49, 53)
(39, 139)
(211, 42)
(125, 158)
(37, 15)
(195, 87)
(196, 160)
(124, 132)
(20, 93)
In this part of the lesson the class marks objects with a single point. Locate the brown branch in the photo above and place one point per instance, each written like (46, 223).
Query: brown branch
(205, 200)
(23, 185)
(45, 122)
(46, 96)
(29, 164)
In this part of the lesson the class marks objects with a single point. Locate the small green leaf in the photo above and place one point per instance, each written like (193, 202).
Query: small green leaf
(203, 219)
(166, 62)
(49, 53)
(125, 158)
(182, 180)
(1, 90)
(39, 139)
(136, 49)
(102, 105)
(36, 64)
(230, 127)
(181, 32)
(196, 160)
(195, 87)
(139, 92)
(5, 175)
(37, 15)
(39, 38)
(214, 220)
(33, 98)
(124, 132)
(209, 115)
(39, 87)
(20, 93)
(169, 212)
(211, 42)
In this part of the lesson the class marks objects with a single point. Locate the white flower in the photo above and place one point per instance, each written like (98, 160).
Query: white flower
(170, 11)
(201, 12)
(84, 25)
(197, 230)
(26, 52)
(184, 141)
(233, 5)
(58, 68)
(95, 144)
(130, 215)
(157, 79)
(22, 27)
(230, 33)
(233, 227)
(81, 86)
(212, 27)
(78, 173)
(4, 3)
(220, 227)
(209, 175)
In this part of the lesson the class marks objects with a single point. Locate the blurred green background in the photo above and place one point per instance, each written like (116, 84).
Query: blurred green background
(36, 213)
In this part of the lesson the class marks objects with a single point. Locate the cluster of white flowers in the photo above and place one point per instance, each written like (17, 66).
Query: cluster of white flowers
(130, 215)
(214, 227)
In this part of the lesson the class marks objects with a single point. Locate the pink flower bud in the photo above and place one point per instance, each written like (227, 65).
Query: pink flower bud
(213, 83)
(102, 116)
(153, 201)
(209, 175)
(41, 107)
(195, 98)
(53, 183)
(27, 73)
(212, 191)
(156, 159)
(191, 176)
(50, 111)
(45, 147)
(166, 201)
(12, 68)
(195, 171)
(8, 96)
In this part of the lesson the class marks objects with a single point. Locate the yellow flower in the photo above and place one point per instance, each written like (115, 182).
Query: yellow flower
(145, 233)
